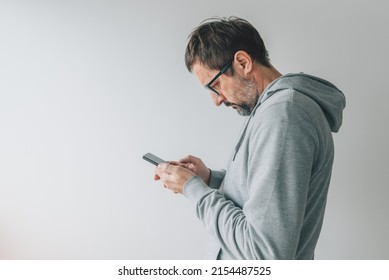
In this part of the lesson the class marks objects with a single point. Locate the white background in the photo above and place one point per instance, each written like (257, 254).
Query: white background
(88, 87)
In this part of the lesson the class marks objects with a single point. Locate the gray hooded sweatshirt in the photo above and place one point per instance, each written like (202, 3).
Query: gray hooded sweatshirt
(269, 203)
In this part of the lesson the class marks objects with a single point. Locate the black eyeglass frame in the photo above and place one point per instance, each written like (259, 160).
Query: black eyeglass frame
(222, 71)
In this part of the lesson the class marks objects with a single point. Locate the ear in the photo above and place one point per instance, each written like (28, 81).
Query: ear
(244, 62)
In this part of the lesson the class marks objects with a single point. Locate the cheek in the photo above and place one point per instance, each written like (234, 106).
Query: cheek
(245, 88)
(237, 91)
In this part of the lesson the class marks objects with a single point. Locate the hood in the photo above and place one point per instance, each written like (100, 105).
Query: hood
(331, 100)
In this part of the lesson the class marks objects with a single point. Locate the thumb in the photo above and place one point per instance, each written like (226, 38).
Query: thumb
(188, 159)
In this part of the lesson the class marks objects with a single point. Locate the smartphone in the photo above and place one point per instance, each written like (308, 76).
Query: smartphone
(153, 159)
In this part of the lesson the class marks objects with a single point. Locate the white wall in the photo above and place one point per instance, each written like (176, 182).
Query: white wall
(88, 87)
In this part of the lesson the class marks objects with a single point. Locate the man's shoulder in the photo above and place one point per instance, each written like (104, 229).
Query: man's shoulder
(285, 99)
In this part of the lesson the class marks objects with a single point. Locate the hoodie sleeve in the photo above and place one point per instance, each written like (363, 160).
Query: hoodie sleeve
(216, 179)
(283, 145)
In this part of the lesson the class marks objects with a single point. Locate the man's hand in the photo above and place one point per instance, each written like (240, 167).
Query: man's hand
(173, 176)
(197, 166)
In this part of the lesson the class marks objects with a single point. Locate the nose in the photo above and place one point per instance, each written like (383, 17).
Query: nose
(217, 99)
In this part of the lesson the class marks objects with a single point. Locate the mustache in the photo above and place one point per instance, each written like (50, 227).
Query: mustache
(229, 104)
(242, 109)
(242, 106)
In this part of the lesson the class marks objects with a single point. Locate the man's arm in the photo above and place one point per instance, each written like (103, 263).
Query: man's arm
(216, 178)
(280, 163)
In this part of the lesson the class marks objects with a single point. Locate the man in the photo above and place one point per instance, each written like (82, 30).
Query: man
(269, 203)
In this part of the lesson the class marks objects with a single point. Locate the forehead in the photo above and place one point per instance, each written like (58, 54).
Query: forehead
(203, 73)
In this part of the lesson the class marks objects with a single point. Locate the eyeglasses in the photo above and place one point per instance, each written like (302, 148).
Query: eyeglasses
(222, 71)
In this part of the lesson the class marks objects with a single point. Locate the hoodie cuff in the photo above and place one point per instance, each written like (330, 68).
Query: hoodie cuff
(216, 178)
(195, 189)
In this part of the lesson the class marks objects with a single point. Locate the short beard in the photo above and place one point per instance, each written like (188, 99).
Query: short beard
(245, 108)
(241, 109)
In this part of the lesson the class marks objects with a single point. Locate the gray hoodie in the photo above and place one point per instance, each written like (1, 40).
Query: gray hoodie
(269, 203)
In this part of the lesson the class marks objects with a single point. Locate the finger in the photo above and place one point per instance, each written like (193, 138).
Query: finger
(185, 165)
(189, 166)
(188, 159)
(174, 162)
(156, 177)
(161, 168)
(166, 168)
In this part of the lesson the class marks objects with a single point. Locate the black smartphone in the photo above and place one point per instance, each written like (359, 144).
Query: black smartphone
(153, 159)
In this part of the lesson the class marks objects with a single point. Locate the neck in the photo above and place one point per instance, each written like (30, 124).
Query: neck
(264, 76)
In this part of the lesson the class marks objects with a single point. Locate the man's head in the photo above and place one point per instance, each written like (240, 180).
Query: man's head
(216, 40)
(223, 53)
